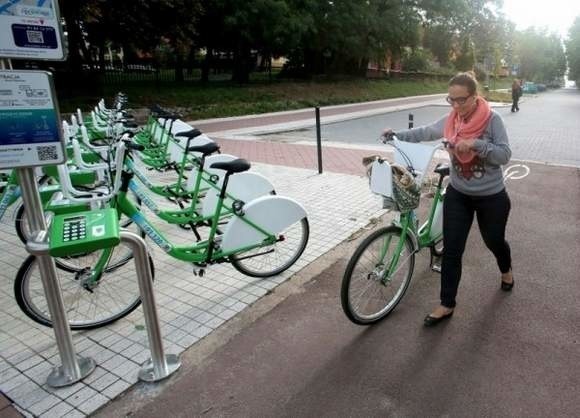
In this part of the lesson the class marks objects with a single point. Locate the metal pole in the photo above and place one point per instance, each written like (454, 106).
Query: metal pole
(73, 369)
(159, 366)
(318, 140)
(410, 121)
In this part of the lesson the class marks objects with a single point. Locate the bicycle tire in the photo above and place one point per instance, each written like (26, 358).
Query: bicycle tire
(359, 306)
(105, 304)
(253, 265)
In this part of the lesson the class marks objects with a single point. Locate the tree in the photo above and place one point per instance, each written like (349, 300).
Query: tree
(465, 58)
(134, 24)
(573, 51)
(439, 39)
(541, 55)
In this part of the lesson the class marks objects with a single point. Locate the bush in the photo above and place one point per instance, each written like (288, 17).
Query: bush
(416, 60)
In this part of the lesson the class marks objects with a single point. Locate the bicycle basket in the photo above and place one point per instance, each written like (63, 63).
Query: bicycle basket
(396, 184)
(406, 192)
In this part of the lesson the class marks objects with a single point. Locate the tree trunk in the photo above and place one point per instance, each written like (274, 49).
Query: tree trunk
(74, 37)
(102, 57)
(206, 66)
(179, 68)
(241, 65)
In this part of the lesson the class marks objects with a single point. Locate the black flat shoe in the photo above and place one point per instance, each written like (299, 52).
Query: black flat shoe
(431, 321)
(507, 287)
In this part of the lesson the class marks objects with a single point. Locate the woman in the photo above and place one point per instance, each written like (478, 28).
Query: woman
(478, 148)
(516, 94)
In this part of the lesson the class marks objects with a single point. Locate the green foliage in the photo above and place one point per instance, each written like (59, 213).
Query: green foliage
(416, 60)
(224, 99)
(541, 56)
(573, 51)
(338, 37)
(466, 57)
(439, 39)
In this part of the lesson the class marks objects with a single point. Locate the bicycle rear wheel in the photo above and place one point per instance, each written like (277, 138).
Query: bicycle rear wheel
(88, 305)
(274, 259)
(365, 298)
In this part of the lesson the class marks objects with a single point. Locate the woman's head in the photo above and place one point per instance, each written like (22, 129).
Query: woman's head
(462, 93)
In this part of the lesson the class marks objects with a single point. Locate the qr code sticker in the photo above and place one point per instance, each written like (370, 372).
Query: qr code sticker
(47, 153)
(34, 37)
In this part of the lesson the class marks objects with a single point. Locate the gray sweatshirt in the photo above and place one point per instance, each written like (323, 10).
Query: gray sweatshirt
(484, 175)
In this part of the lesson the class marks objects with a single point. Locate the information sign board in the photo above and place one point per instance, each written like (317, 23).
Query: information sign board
(31, 29)
(30, 133)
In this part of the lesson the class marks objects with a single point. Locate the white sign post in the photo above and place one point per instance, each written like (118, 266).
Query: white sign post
(31, 29)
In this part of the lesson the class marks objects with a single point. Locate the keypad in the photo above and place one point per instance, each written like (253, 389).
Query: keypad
(74, 229)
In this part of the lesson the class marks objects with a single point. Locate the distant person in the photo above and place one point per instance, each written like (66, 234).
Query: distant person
(517, 91)
(479, 147)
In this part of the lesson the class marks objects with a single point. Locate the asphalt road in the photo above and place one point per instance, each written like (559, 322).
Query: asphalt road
(546, 129)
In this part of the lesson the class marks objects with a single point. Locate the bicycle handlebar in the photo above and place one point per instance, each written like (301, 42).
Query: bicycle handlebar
(388, 137)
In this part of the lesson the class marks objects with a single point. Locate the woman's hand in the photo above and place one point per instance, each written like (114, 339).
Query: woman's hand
(465, 146)
(387, 134)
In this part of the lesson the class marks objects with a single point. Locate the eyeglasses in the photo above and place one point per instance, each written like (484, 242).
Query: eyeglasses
(458, 100)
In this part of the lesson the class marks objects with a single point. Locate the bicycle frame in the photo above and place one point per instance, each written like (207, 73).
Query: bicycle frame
(202, 252)
(12, 193)
(420, 236)
(183, 216)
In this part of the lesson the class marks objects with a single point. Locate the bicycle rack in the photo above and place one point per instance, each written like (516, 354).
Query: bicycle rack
(159, 366)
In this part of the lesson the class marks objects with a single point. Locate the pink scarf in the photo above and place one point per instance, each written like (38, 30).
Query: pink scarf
(458, 129)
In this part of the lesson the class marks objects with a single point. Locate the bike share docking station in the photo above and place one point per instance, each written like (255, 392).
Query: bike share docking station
(30, 137)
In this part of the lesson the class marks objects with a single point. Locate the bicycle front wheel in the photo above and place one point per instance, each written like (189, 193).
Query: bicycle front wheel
(88, 304)
(274, 259)
(366, 296)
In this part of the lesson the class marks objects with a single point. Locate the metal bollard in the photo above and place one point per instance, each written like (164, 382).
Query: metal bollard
(318, 140)
(411, 121)
(73, 368)
(159, 366)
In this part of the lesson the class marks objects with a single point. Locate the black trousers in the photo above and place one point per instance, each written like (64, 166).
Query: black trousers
(458, 212)
(515, 101)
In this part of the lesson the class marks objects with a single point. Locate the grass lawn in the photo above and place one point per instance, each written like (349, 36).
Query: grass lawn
(223, 98)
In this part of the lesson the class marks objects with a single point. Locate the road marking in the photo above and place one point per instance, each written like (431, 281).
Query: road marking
(516, 172)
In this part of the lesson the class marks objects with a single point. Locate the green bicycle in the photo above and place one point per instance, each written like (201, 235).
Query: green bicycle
(381, 268)
(104, 288)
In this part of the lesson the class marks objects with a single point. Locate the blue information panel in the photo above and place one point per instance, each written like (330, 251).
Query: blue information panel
(31, 29)
(32, 36)
(30, 132)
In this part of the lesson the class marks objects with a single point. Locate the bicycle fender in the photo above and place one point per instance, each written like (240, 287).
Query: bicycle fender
(245, 186)
(271, 213)
(209, 160)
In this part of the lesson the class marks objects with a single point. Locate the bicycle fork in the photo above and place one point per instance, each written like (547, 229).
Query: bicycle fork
(391, 269)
